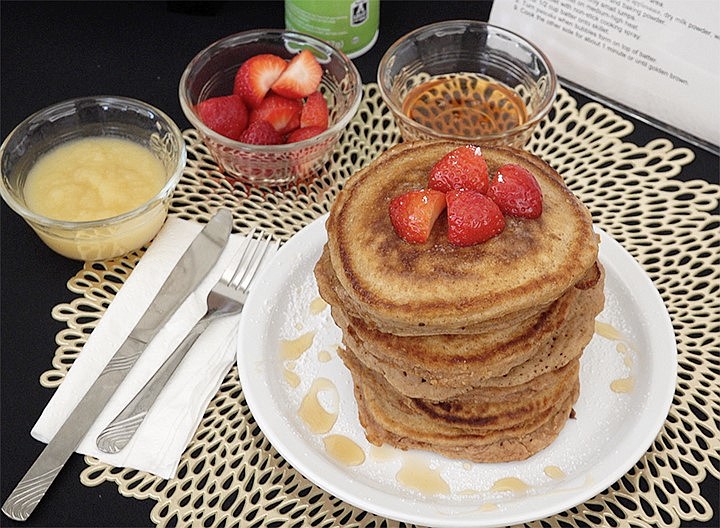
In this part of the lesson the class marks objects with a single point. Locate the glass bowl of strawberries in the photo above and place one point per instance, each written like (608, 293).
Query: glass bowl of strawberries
(270, 105)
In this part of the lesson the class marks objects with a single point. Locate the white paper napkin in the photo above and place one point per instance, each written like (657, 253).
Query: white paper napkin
(170, 424)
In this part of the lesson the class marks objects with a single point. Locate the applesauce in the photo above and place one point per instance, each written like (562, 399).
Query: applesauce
(93, 178)
(115, 159)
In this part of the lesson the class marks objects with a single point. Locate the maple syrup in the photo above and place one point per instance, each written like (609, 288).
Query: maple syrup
(620, 385)
(292, 349)
(554, 472)
(316, 417)
(623, 349)
(324, 356)
(383, 453)
(344, 450)
(317, 305)
(416, 474)
(607, 331)
(291, 378)
(465, 105)
(513, 484)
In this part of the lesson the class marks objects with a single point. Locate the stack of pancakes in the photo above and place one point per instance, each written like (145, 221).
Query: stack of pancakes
(472, 352)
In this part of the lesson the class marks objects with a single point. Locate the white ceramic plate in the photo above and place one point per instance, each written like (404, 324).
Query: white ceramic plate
(610, 434)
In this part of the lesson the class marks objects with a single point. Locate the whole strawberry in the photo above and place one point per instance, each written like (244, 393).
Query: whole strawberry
(413, 214)
(516, 191)
(462, 168)
(225, 115)
(472, 217)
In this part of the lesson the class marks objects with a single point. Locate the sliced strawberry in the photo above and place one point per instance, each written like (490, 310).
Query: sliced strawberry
(255, 77)
(315, 111)
(516, 191)
(261, 133)
(472, 217)
(413, 214)
(301, 77)
(462, 168)
(303, 133)
(280, 112)
(225, 115)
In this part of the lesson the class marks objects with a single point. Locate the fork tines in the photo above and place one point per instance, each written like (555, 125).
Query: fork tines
(251, 254)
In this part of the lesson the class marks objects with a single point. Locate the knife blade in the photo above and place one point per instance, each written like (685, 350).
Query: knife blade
(188, 273)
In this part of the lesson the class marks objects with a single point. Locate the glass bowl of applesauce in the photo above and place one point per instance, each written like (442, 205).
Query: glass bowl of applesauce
(93, 176)
(467, 80)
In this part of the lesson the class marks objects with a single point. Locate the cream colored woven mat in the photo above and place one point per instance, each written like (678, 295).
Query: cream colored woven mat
(230, 475)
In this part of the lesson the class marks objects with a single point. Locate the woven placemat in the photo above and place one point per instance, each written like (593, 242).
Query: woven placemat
(230, 475)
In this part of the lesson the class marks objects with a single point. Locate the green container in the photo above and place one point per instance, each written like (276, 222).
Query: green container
(349, 25)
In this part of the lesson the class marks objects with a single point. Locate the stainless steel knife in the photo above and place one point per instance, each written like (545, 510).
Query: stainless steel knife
(188, 273)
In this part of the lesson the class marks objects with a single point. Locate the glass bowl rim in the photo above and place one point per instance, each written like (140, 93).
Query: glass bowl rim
(542, 110)
(98, 100)
(329, 133)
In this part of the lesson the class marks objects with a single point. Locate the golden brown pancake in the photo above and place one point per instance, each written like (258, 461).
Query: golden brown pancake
(391, 418)
(445, 366)
(471, 352)
(435, 287)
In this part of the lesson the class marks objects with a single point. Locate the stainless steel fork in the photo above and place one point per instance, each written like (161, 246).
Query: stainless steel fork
(226, 298)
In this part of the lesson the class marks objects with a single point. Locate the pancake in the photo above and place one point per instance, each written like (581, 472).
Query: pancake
(470, 352)
(438, 288)
(390, 418)
(441, 367)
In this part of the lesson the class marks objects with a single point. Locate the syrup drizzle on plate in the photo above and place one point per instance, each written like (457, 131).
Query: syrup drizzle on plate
(625, 348)
(319, 411)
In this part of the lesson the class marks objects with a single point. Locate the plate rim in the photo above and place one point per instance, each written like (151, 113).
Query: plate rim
(655, 411)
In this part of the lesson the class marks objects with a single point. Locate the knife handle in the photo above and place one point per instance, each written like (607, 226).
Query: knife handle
(33, 486)
(118, 433)
(31, 489)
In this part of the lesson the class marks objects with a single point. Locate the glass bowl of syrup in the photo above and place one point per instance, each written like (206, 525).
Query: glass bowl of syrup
(467, 80)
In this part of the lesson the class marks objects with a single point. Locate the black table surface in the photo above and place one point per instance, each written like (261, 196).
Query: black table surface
(50, 52)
